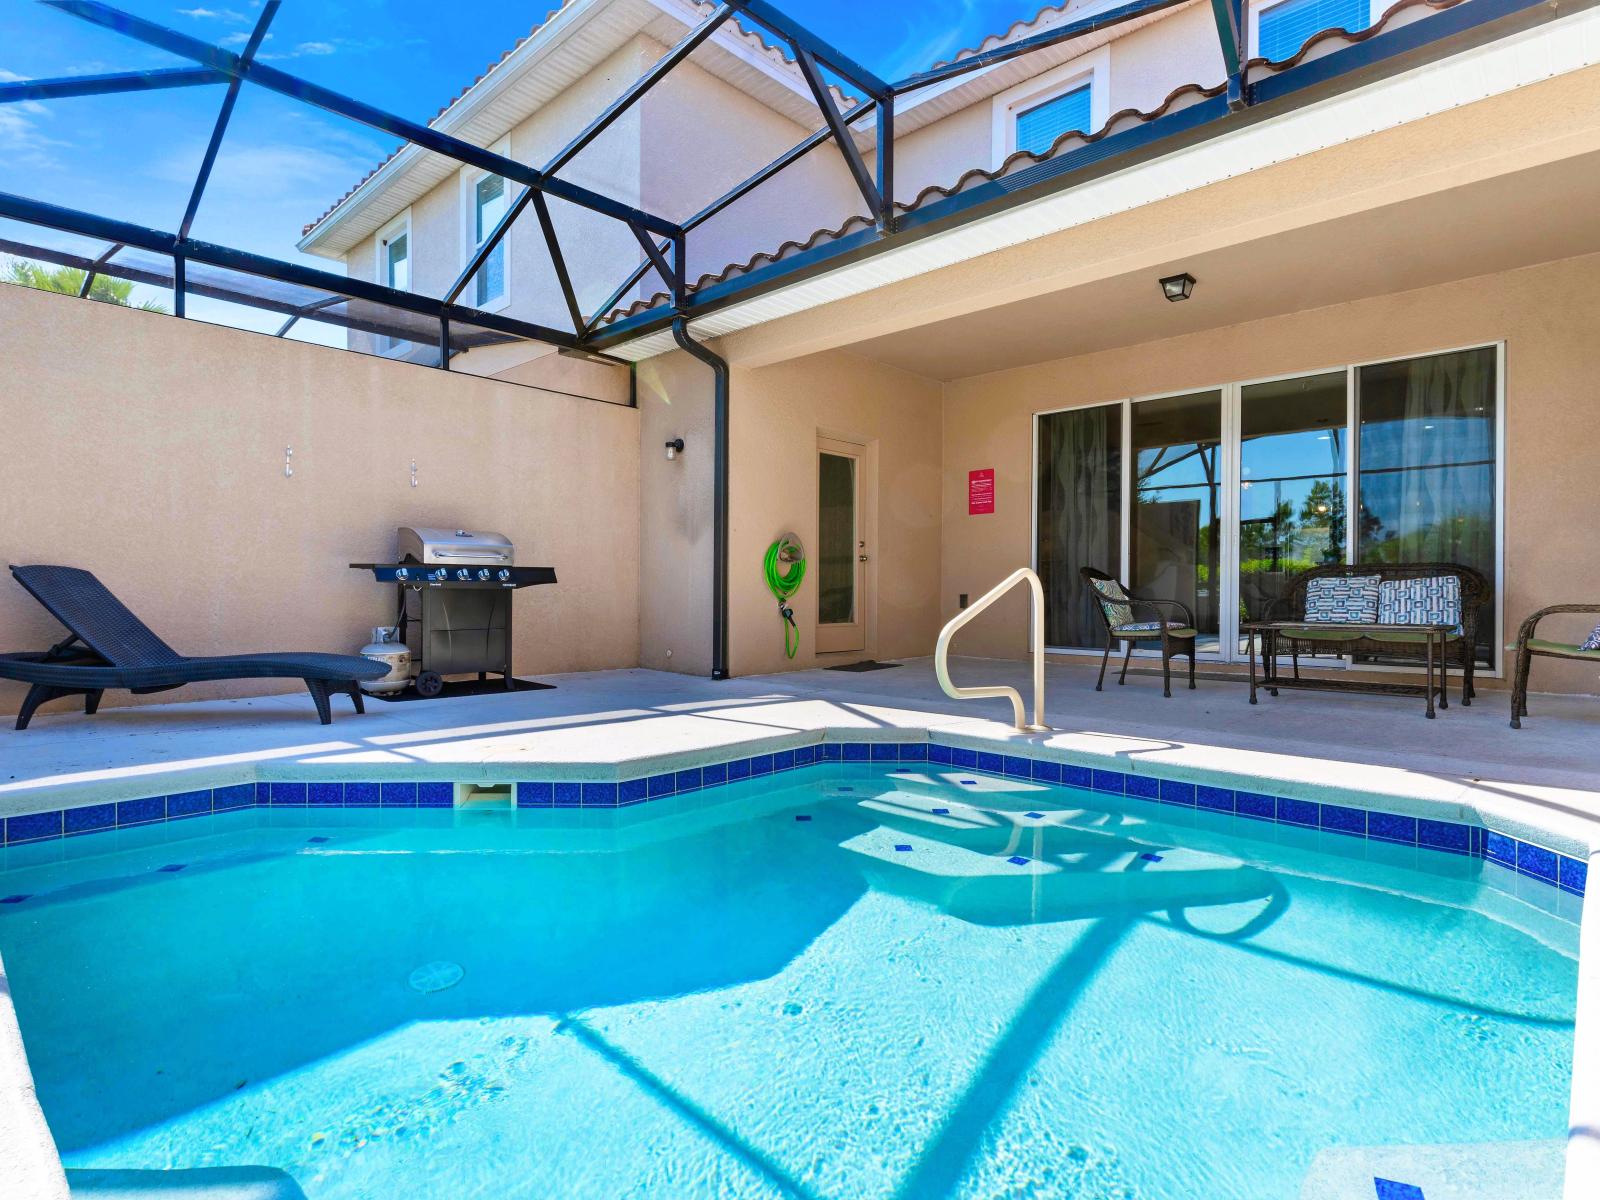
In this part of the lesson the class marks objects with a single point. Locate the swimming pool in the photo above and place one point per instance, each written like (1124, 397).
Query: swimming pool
(847, 981)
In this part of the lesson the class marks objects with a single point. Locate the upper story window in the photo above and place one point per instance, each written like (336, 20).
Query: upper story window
(1034, 114)
(485, 198)
(1039, 127)
(488, 206)
(1283, 28)
(394, 267)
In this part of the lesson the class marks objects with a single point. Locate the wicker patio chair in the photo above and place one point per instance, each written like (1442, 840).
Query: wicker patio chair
(117, 650)
(1119, 608)
(1530, 647)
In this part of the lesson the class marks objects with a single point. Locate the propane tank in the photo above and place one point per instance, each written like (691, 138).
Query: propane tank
(387, 648)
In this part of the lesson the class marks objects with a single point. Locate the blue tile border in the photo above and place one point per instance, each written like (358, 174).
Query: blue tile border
(1525, 858)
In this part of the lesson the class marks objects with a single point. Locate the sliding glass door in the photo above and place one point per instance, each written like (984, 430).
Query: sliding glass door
(1219, 498)
(1175, 521)
(1293, 468)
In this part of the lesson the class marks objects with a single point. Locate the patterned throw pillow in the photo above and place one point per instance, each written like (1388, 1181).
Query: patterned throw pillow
(1592, 642)
(1342, 599)
(1432, 601)
(1117, 610)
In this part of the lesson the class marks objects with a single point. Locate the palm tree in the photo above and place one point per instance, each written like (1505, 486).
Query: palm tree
(69, 281)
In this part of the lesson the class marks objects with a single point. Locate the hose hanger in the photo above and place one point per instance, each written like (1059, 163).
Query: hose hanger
(785, 568)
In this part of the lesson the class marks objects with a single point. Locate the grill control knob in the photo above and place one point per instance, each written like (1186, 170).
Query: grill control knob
(503, 574)
(483, 573)
(463, 574)
(402, 573)
(441, 574)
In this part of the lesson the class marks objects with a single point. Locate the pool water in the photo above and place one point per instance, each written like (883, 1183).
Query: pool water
(838, 984)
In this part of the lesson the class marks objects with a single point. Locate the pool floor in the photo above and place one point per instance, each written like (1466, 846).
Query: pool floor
(850, 982)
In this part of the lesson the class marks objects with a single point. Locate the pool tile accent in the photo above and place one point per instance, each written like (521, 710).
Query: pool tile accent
(1527, 859)
(903, 848)
(1388, 1189)
(1017, 860)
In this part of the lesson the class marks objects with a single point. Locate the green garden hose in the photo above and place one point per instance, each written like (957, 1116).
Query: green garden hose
(783, 584)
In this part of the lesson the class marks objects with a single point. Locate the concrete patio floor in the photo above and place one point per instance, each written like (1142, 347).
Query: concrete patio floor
(619, 724)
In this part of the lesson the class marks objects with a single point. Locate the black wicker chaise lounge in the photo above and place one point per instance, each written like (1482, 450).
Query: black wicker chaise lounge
(109, 647)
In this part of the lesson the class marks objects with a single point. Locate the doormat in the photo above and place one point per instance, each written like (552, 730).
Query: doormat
(865, 665)
(467, 687)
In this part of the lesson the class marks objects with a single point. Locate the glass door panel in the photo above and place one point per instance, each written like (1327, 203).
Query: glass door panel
(1293, 463)
(1427, 462)
(839, 555)
(1079, 517)
(1175, 522)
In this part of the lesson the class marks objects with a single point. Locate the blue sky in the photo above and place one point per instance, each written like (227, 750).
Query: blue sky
(135, 156)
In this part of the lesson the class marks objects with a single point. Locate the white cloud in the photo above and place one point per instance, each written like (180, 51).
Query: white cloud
(315, 48)
(22, 141)
(211, 14)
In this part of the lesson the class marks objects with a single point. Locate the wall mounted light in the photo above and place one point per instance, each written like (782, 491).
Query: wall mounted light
(674, 448)
(1177, 287)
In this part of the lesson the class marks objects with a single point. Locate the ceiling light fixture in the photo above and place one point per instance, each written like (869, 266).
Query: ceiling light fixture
(1177, 287)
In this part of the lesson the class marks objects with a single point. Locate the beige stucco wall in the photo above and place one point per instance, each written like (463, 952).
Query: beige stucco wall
(151, 451)
(1546, 315)
(777, 414)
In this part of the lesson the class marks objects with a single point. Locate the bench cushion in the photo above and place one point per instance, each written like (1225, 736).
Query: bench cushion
(1566, 649)
(1435, 600)
(1334, 634)
(1352, 599)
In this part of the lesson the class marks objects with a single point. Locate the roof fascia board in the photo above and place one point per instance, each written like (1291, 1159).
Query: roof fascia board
(1341, 75)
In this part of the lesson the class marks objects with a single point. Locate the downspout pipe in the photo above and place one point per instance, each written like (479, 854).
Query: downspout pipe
(719, 492)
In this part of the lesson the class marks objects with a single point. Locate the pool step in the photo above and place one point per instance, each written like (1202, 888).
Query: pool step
(1485, 1171)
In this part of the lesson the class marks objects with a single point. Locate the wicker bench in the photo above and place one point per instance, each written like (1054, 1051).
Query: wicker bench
(1461, 648)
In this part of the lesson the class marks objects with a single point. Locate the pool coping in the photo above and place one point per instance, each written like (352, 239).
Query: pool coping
(1516, 832)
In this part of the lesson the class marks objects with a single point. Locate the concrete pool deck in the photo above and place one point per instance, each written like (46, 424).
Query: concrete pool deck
(616, 724)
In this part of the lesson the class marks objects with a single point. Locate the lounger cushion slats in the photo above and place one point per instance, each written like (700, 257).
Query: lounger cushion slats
(102, 622)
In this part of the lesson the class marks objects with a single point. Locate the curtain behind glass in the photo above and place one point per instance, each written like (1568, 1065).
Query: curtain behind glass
(1427, 465)
(1080, 517)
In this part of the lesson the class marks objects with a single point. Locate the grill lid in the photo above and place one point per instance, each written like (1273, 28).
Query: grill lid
(416, 543)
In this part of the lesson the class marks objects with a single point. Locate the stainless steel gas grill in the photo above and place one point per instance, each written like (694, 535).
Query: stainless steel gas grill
(455, 601)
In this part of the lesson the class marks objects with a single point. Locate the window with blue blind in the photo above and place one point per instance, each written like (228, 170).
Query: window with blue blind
(1284, 28)
(1040, 126)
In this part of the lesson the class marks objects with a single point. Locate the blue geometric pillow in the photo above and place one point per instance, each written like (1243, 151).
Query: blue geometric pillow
(1592, 642)
(1342, 600)
(1435, 601)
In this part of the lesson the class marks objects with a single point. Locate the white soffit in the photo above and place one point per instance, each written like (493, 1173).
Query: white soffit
(1556, 48)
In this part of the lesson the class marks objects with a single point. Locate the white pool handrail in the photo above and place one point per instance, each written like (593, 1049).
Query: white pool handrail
(941, 653)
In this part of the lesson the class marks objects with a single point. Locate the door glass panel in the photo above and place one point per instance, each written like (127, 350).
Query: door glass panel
(1292, 464)
(1080, 517)
(1427, 466)
(1175, 527)
(836, 533)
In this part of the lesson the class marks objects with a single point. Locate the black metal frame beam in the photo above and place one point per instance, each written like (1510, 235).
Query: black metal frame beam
(425, 136)
(108, 85)
(257, 36)
(658, 71)
(794, 34)
(839, 130)
(93, 269)
(106, 229)
(1229, 18)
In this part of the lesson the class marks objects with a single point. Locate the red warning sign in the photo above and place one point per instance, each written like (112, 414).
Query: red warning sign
(980, 492)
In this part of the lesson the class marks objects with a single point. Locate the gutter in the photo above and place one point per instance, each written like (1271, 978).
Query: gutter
(719, 493)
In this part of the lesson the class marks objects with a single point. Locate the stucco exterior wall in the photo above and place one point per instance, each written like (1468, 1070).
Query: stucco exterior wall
(777, 414)
(151, 451)
(1545, 315)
